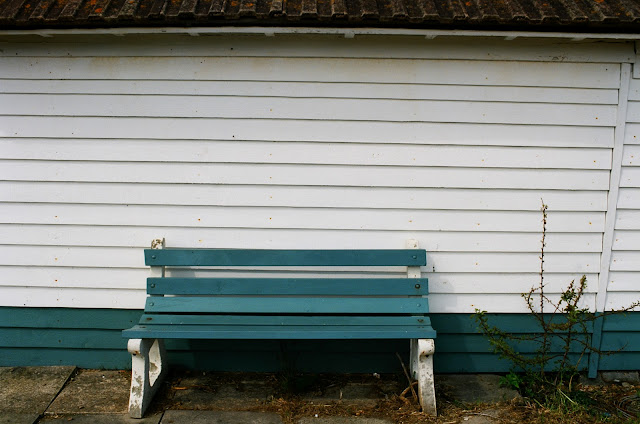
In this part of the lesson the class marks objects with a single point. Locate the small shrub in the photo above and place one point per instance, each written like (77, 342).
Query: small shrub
(562, 343)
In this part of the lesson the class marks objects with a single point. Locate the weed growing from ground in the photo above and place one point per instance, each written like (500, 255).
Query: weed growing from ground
(561, 344)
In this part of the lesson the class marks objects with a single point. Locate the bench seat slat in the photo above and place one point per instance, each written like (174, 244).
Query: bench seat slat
(289, 286)
(278, 332)
(292, 305)
(286, 320)
(284, 258)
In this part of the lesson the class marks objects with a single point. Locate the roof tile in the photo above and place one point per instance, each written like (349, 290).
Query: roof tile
(543, 15)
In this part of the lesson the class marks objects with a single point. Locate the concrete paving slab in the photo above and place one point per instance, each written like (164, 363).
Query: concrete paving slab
(29, 390)
(472, 388)
(94, 391)
(342, 420)
(100, 419)
(219, 417)
(18, 418)
(221, 391)
(366, 394)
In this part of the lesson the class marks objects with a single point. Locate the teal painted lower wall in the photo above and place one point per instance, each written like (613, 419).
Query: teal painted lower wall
(90, 338)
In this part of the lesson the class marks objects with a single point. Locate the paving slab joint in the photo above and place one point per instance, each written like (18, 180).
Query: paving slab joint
(70, 377)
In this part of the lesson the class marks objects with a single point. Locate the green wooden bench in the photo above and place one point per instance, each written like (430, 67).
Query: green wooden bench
(280, 308)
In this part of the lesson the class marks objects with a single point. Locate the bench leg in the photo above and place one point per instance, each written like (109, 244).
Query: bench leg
(422, 370)
(148, 369)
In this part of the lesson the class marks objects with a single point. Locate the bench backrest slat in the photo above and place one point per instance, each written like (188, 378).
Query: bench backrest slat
(289, 286)
(289, 305)
(180, 319)
(284, 258)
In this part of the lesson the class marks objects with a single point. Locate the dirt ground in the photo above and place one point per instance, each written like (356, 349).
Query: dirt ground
(293, 397)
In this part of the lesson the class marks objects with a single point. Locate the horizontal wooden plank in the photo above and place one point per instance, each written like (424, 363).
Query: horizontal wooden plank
(619, 361)
(620, 300)
(463, 325)
(439, 282)
(238, 151)
(134, 299)
(631, 155)
(172, 106)
(291, 305)
(620, 341)
(61, 338)
(307, 218)
(627, 219)
(623, 281)
(633, 112)
(317, 175)
(296, 130)
(627, 322)
(630, 177)
(107, 257)
(285, 320)
(502, 282)
(52, 297)
(289, 286)
(472, 343)
(634, 89)
(629, 198)
(493, 302)
(305, 196)
(69, 318)
(85, 358)
(632, 134)
(80, 277)
(625, 261)
(284, 257)
(536, 74)
(293, 45)
(237, 238)
(354, 90)
(626, 240)
(278, 332)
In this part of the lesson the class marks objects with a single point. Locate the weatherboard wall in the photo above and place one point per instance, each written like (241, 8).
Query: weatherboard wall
(257, 142)
(303, 142)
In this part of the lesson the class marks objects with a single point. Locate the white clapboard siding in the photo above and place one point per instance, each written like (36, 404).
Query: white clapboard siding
(632, 134)
(624, 277)
(631, 155)
(54, 297)
(623, 281)
(494, 302)
(630, 176)
(628, 219)
(135, 278)
(467, 72)
(132, 299)
(298, 196)
(300, 218)
(625, 261)
(118, 257)
(310, 130)
(620, 300)
(626, 240)
(318, 143)
(82, 277)
(290, 174)
(353, 90)
(305, 109)
(406, 47)
(434, 241)
(629, 198)
(244, 151)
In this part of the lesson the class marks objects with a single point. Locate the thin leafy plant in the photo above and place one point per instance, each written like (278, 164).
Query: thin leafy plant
(559, 345)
